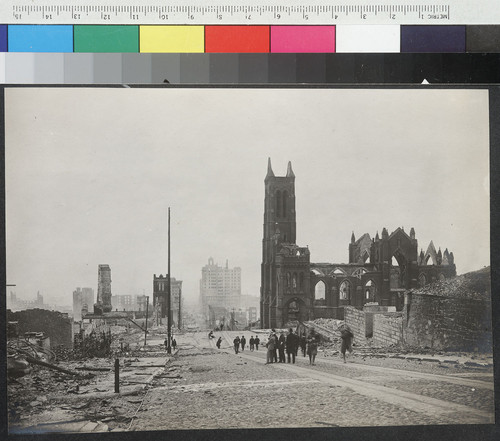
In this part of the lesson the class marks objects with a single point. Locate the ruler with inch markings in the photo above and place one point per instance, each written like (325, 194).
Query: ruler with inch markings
(271, 12)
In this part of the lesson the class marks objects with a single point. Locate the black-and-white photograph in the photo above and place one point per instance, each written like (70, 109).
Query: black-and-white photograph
(247, 258)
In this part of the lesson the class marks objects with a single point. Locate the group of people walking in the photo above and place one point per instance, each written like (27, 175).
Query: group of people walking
(289, 344)
(241, 342)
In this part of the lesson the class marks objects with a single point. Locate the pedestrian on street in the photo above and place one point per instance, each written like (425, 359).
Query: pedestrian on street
(174, 344)
(347, 336)
(257, 341)
(275, 352)
(219, 341)
(243, 342)
(281, 346)
(252, 342)
(271, 346)
(236, 343)
(292, 343)
(303, 344)
(312, 345)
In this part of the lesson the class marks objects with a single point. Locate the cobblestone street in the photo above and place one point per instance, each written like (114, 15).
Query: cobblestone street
(207, 388)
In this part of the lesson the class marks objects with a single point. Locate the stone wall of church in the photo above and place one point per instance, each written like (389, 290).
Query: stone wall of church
(387, 329)
(355, 319)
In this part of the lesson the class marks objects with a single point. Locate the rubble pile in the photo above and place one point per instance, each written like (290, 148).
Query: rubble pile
(96, 344)
(328, 323)
(475, 285)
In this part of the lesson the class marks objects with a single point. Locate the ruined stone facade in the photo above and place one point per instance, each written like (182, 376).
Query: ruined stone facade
(103, 304)
(379, 269)
(160, 290)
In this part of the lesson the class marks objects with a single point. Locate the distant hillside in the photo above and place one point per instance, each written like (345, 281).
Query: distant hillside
(474, 285)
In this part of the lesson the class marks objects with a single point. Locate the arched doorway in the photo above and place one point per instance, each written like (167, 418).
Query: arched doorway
(398, 271)
(295, 310)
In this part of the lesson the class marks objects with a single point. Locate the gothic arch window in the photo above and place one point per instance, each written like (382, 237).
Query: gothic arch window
(370, 290)
(422, 280)
(294, 281)
(338, 272)
(301, 281)
(319, 290)
(278, 203)
(288, 281)
(345, 290)
(285, 198)
(441, 277)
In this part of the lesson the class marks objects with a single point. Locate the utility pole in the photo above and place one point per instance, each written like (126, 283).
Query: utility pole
(169, 309)
(180, 312)
(147, 311)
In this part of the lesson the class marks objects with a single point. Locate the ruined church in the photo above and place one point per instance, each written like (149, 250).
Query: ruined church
(380, 269)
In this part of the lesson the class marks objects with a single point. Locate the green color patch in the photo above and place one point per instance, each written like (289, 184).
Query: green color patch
(106, 38)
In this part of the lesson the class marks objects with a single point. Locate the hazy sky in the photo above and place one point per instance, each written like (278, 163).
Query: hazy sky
(90, 174)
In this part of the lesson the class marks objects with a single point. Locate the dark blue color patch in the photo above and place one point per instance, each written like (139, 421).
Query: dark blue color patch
(3, 38)
(445, 39)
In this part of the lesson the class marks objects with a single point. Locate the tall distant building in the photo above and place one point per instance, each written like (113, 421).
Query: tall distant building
(220, 287)
(83, 298)
(160, 296)
(103, 289)
(124, 302)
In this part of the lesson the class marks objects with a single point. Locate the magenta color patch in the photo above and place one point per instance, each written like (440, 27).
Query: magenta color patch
(303, 39)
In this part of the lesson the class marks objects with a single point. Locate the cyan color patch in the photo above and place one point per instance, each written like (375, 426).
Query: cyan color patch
(40, 38)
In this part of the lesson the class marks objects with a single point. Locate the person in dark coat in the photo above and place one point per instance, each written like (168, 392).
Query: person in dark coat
(257, 341)
(236, 343)
(312, 345)
(275, 353)
(347, 336)
(174, 344)
(281, 347)
(252, 343)
(292, 342)
(243, 342)
(219, 341)
(271, 347)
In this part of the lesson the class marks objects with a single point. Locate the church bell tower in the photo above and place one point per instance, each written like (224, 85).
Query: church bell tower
(279, 228)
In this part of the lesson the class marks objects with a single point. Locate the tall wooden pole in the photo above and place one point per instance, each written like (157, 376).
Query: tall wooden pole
(179, 324)
(147, 312)
(169, 306)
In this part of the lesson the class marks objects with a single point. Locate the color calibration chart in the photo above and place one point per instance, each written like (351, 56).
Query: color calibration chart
(148, 41)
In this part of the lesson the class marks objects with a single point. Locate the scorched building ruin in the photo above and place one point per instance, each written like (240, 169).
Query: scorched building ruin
(380, 269)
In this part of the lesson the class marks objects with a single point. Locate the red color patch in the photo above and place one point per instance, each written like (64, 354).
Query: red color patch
(237, 39)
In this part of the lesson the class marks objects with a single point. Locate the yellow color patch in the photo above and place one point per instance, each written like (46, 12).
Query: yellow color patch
(180, 39)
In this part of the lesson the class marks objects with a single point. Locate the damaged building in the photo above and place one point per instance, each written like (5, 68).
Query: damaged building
(55, 328)
(379, 269)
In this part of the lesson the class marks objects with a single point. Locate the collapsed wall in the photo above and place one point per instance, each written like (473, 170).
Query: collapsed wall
(453, 314)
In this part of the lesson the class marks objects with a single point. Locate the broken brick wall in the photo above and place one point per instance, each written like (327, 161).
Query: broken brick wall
(55, 325)
(448, 323)
(387, 329)
(355, 319)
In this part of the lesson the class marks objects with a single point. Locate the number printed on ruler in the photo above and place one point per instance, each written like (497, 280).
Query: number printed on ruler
(271, 12)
